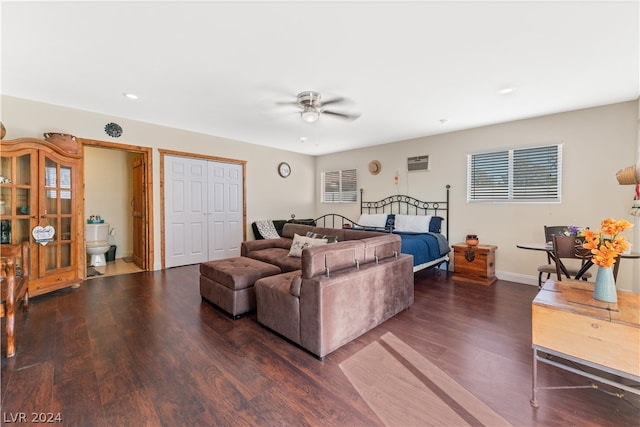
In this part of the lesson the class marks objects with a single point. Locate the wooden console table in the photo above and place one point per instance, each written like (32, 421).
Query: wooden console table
(568, 323)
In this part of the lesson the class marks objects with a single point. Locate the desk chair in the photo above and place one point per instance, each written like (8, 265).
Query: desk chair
(550, 267)
(565, 248)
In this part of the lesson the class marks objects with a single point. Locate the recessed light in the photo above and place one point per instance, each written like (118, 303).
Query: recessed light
(130, 95)
(506, 90)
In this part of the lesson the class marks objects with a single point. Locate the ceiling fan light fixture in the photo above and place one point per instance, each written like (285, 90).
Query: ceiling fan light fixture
(309, 115)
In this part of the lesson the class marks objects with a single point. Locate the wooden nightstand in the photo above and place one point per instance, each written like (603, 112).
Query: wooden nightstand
(475, 264)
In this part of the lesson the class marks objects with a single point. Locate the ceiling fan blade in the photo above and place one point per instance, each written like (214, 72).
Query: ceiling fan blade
(342, 115)
(287, 103)
(332, 101)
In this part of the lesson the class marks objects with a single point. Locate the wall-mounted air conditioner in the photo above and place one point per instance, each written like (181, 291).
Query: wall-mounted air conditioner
(420, 163)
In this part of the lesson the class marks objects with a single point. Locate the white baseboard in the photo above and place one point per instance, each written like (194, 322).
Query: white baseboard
(518, 278)
(533, 280)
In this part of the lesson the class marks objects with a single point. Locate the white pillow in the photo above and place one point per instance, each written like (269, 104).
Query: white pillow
(373, 220)
(412, 223)
(301, 242)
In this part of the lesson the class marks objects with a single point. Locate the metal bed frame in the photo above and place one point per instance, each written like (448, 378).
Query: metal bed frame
(396, 204)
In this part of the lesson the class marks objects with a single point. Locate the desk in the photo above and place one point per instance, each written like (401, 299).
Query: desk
(548, 248)
(568, 323)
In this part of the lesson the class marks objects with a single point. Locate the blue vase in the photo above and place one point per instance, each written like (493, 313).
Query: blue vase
(605, 286)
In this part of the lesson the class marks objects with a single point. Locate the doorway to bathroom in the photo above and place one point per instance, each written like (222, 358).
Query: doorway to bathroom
(118, 188)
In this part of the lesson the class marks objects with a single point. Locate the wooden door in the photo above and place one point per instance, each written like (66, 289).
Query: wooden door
(139, 210)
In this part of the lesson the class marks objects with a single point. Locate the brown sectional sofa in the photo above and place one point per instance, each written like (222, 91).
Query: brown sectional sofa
(333, 293)
(276, 251)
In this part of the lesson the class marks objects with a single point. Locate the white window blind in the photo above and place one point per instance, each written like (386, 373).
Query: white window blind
(340, 186)
(517, 175)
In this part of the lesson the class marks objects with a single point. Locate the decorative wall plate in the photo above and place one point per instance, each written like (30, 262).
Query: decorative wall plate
(375, 167)
(113, 130)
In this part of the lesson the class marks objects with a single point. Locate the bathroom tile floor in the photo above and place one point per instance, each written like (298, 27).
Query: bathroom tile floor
(117, 267)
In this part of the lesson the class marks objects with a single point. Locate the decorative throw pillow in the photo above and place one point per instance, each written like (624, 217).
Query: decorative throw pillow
(330, 238)
(391, 222)
(435, 225)
(301, 242)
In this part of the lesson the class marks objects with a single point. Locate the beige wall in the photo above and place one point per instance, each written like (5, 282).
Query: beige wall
(268, 195)
(597, 142)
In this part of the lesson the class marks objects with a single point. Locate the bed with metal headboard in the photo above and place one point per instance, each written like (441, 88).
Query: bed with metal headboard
(422, 225)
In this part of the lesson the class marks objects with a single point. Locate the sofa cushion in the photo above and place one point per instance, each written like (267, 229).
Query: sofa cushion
(277, 308)
(278, 257)
(249, 246)
(322, 259)
(302, 242)
(296, 283)
(290, 229)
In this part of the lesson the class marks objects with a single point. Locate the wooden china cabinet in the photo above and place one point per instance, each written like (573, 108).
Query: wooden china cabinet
(39, 192)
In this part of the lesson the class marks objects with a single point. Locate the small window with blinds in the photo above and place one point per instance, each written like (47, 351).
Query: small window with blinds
(518, 175)
(340, 186)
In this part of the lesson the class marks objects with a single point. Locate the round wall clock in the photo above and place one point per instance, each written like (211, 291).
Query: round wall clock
(284, 169)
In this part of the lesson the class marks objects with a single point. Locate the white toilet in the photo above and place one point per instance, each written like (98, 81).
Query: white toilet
(97, 239)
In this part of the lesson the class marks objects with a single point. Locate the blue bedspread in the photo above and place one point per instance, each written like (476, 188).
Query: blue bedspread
(424, 247)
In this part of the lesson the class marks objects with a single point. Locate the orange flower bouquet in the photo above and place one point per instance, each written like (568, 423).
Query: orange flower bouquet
(606, 243)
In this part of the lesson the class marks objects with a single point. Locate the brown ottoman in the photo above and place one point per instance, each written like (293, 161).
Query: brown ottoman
(228, 283)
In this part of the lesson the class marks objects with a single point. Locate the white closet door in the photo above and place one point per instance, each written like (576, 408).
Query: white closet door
(204, 210)
(185, 211)
(225, 198)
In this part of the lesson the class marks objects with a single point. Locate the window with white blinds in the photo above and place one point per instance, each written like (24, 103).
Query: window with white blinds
(519, 175)
(340, 186)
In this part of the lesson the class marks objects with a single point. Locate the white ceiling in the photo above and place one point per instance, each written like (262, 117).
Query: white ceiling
(220, 68)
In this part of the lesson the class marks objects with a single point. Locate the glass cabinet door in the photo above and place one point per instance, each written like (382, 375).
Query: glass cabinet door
(17, 175)
(58, 199)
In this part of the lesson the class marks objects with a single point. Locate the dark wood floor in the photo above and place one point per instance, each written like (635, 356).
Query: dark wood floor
(143, 349)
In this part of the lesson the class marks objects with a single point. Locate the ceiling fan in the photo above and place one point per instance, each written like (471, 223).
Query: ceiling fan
(312, 107)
